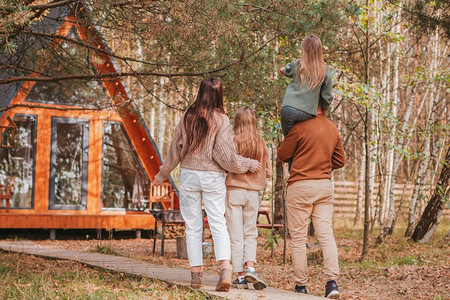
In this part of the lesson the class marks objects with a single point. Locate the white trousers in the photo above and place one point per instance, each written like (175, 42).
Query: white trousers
(208, 186)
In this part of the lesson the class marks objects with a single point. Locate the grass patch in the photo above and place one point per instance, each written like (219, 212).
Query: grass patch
(397, 250)
(28, 277)
(104, 250)
(365, 264)
(405, 261)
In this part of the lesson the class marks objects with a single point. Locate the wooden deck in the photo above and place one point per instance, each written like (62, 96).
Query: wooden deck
(82, 221)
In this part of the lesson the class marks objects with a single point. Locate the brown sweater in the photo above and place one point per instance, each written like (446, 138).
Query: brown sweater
(251, 181)
(316, 148)
(218, 154)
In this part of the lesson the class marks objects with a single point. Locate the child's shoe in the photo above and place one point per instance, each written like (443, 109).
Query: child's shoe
(301, 289)
(253, 277)
(240, 284)
(331, 290)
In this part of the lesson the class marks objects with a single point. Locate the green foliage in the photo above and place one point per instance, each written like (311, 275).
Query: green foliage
(407, 260)
(4, 270)
(427, 15)
(202, 36)
(14, 16)
(272, 129)
(104, 250)
(272, 241)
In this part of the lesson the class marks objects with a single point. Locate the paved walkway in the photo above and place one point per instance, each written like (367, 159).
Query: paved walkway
(132, 266)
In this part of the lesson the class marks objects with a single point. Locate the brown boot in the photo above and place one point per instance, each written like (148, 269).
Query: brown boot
(225, 279)
(196, 280)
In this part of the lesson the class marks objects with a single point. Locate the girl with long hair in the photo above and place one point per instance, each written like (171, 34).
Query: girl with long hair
(311, 85)
(243, 199)
(203, 144)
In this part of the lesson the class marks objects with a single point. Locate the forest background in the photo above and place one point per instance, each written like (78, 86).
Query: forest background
(391, 80)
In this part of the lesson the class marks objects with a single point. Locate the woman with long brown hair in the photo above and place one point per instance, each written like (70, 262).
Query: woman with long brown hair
(203, 144)
(243, 199)
(311, 84)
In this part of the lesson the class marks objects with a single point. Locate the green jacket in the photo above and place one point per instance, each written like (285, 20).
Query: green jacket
(300, 97)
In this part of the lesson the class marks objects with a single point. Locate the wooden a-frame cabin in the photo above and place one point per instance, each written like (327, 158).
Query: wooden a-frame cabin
(81, 157)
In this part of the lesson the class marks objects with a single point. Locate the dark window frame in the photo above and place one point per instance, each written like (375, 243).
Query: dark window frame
(85, 162)
(135, 155)
(34, 144)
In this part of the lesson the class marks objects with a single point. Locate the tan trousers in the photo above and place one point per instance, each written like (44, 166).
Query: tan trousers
(311, 199)
(241, 214)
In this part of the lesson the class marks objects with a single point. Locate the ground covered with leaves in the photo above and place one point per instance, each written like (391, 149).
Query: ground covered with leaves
(396, 269)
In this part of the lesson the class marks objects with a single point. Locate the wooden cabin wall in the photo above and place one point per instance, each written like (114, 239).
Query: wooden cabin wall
(93, 217)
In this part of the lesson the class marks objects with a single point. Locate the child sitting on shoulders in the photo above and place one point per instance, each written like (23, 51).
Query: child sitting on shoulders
(311, 83)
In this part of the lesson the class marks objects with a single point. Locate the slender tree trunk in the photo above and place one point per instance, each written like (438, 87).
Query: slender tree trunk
(400, 206)
(418, 188)
(359, 199)
(152, 120)
(390, 152)
(367, 139)
(161, 119)
(280, 183)
(279, 193)
(396, 164)
(367, 190)
(342, 172)
(432, 215)
(377, 203)
(396, 155)
(372, 167)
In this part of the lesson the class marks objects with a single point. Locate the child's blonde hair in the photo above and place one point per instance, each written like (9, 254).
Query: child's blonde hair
(312, 64)
(247, 139)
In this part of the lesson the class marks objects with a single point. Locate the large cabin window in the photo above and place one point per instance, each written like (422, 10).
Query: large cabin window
(69, 163)
(124, 184)
(17, 163)
(72, 59)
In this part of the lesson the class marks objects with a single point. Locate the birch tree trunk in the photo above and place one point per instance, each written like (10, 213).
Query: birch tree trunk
(390, 152)
(372, 166)
(367, 140)
(432, 215)
(418, 188)
(359, 199)
(400, 206)
(152, 119)
(396, 164)
(396, 155)
(161, 118)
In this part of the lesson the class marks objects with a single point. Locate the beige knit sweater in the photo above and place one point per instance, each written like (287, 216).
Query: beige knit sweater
(251, 181)
(219, 153)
